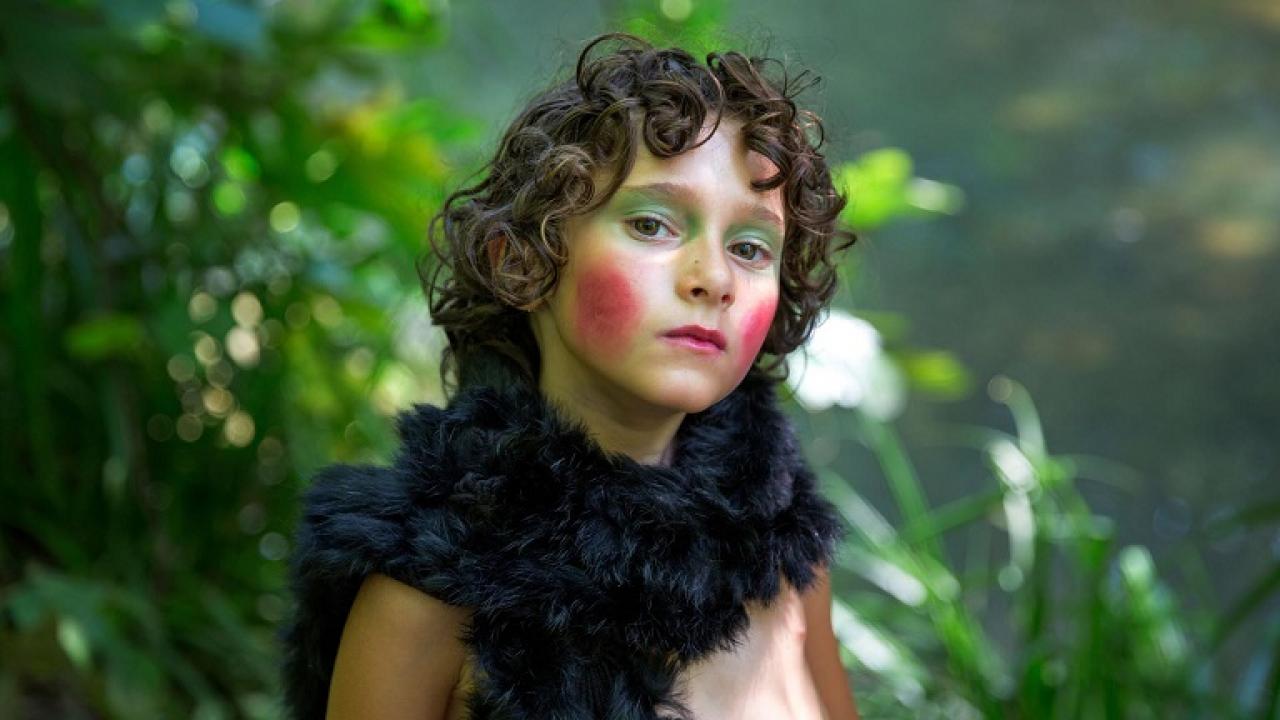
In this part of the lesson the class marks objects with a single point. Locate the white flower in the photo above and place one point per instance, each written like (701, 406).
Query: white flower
(844, 364)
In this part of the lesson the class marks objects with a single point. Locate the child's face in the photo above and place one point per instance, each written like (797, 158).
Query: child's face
(684, 241)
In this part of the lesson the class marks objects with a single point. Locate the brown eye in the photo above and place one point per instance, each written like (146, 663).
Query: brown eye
(755, 252)
(647, 226)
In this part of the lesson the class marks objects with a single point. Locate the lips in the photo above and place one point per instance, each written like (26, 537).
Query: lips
(697, 332)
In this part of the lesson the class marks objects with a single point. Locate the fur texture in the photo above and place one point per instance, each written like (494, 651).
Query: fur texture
(594, 579)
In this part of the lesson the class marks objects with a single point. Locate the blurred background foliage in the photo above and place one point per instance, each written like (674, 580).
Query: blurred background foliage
(210, 213)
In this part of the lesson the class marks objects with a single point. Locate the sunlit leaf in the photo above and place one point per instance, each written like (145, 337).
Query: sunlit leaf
(881, 187)
(937, 373)
(71, 638)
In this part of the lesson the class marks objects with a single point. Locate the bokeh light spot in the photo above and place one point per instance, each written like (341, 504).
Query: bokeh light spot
(239, 429)
(201, 307)
(246, 309)
(285, 217)
(189, 427)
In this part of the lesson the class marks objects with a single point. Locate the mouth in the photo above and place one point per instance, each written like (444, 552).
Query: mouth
(696, 337)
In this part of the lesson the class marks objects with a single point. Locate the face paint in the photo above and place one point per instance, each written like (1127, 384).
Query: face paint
(607, 309)
(632, 278)
(754, 330)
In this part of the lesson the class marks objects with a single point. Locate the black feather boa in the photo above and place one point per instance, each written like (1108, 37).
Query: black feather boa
(594, 578)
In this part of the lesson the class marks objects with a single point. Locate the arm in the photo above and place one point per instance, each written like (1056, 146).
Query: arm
(822, 652)
(400, 654)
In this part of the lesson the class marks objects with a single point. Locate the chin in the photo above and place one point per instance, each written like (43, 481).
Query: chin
(686, 394)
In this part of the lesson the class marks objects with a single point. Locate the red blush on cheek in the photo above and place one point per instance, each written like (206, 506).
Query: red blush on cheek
(607, 309)
(754, 331)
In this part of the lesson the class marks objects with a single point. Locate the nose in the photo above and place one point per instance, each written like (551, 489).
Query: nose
(706, 275)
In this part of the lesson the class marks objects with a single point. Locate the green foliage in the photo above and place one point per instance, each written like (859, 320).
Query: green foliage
(882, 187)
(104, 336)
(212, 213)
(936, 373)
(1093, 630)
(694, 26)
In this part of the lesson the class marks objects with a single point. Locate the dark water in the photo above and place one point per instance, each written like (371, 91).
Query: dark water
(1119, 253)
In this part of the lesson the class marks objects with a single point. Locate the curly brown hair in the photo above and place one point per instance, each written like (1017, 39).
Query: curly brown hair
(503, 237)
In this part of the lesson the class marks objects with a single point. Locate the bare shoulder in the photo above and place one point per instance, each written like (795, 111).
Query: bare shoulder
(817, 598)
(400, 656)
(822, 651)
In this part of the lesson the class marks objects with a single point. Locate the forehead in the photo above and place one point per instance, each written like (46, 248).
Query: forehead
(724, 155)
(719, 171)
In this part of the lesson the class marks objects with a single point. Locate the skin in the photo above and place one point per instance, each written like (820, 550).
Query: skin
(383, 668)
(822, 652)
(703, 248)
(755, 330)
(608, 311)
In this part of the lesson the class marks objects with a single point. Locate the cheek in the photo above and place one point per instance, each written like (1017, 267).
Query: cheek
(607, 310)
(754, 330)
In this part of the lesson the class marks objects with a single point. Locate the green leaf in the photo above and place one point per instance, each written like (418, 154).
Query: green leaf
(1265, 512)
(875, 184)
(937, 373)
(396, 25)
(1262, 590)
(112, 335)
(72, 640)
(881, 188)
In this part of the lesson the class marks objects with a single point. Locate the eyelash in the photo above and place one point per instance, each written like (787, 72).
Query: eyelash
(764, 251)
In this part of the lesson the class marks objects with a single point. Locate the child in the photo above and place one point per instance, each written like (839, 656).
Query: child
(611, 518)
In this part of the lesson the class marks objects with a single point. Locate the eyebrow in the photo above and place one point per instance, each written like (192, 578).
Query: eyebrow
(677, 192)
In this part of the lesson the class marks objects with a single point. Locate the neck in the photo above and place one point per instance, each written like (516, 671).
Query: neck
(619, 425)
